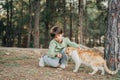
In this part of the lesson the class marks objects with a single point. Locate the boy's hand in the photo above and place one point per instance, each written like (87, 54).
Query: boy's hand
(59, 55)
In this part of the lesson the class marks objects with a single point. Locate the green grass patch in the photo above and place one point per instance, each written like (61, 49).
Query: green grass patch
(2, 52)
(11, 64)
(48, 73)
(11, 61)
(116, 77)
(16, 58)
(23, 57)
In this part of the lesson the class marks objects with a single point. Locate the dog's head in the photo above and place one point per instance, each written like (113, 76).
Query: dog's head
(69, 50)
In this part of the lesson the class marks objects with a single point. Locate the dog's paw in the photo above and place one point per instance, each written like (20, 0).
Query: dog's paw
(74, 70)
(90, 73)
(102, 73)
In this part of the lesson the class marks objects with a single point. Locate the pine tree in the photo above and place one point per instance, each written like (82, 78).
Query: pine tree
(112, 41)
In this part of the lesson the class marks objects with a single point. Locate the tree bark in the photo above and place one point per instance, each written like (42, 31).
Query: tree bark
(50, 9)
(8, 35)
(36, 26)
(71, 21)
(112, 41)
(64, 17)
(47, 23)
(80, 26)
(30, 26)
(20, 24)
(7, 32)
(11, 24)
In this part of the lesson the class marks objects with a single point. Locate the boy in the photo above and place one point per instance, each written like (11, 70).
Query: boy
(56, 56)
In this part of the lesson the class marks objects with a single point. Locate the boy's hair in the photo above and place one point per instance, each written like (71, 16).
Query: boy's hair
(55, 30)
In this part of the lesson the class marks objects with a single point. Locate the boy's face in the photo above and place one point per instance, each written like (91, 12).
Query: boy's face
(59, 37)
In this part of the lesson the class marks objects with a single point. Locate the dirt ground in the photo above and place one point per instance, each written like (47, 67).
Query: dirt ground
(22, 64)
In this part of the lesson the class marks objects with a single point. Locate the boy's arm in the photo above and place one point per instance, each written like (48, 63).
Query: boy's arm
(51, 49)
(72, 44)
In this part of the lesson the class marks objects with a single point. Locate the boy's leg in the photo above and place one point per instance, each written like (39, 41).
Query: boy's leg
(63, 60)
(53, 62)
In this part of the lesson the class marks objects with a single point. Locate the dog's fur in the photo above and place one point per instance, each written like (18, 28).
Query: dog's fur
(90, 58)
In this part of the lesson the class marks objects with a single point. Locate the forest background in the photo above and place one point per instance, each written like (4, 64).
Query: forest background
(26, 23)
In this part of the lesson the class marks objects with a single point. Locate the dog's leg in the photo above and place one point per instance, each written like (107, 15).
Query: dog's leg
(95, 69)
(77, 65)
(102, 69)
(76, 60)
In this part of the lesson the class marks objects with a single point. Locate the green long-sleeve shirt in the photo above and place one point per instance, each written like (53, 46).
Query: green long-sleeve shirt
(55, 47)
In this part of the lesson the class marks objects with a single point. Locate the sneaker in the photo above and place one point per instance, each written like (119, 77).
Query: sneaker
(41, 62)
(62, 66)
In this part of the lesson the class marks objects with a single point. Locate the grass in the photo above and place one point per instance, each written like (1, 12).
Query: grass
(2, 53)
(26, 67)
(11, 61)
(117, 76)
(16, 58)
(11, 64)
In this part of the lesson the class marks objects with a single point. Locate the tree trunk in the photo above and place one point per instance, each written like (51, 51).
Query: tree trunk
(71, 21)
(36, 26)
(30, 26)
(112, 41)
(7, 32)
(11, 24)
(20, 24)
(64, 17)
(80, 26)
(47, 23)
(46, 34)
(50, 9)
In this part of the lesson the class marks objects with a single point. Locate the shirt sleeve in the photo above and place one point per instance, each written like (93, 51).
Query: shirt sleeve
(51, 50)
(70, 43)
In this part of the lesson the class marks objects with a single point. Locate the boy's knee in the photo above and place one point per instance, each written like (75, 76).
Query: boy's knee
(51, 62)
(55, 65)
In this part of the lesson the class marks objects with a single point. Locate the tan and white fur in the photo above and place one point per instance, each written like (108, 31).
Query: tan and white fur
(89, 58)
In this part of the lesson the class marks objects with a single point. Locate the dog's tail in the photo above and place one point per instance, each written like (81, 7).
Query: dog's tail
(108, 70)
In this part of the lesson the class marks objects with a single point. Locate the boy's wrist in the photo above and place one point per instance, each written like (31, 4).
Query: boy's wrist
(58, 55)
